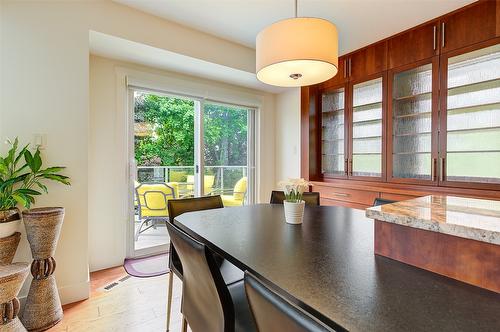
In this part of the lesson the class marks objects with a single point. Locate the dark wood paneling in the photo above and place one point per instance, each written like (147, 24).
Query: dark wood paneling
(341, 194)
(333, 202)
(471, 25)
(414, 45)
(368, 61)
(396, 197)
(338, 79)
(470, 261)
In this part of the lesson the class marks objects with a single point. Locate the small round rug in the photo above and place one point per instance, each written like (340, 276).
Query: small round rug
(145, 267)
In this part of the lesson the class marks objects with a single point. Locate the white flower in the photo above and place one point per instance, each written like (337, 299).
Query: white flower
(294, 188)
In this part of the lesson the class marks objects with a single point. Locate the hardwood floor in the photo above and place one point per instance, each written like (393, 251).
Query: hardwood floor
(136, 304)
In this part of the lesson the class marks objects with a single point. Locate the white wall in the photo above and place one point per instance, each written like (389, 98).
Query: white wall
(108, 177)
(45, 89)
(287, 134)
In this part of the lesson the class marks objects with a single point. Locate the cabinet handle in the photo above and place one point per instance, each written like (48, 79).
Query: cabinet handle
(346, 167)
(350, 167)
(341, 194)
(433, 169)
(434, 37)
(350, 66)
(345, 68)
(442, 34)
(441, 169)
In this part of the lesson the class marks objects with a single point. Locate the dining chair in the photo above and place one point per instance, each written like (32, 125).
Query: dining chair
(230, 273)
(151, 200)
(382, 201)
(311, 198)
(208, 304)
(272, 312)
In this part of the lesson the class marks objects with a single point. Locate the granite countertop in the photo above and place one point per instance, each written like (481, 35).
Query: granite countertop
(475, 219)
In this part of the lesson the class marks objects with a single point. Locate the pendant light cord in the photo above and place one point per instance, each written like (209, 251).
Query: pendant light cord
(296, 8)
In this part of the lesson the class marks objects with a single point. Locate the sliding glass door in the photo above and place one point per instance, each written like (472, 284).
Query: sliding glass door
(185, 147)
(228, 152)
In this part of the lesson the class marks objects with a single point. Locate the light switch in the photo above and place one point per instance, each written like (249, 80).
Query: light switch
(40, 141)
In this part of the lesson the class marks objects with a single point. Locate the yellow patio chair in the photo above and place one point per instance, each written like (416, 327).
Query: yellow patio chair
(207, 186)
(238, 195)
(152, 199)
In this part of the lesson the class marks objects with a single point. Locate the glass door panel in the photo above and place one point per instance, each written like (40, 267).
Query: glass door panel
(412, 123)
(163, 147)
(227, 152)
(332, 140)
(367, 129)
(473, 117)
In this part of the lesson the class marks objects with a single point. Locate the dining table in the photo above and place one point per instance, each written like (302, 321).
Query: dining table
(327, 267)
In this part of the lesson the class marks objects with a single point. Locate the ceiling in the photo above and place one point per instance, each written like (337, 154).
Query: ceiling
(359, 22)
(125, 50)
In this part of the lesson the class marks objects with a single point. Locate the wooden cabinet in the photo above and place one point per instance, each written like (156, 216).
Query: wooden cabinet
(414, 45)
(413, 123)
(420, 114)
(475, 23)
(469, 144)
(340, 78)
(368, 61)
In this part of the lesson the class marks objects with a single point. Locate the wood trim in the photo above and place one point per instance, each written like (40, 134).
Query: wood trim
(304, 133)
(470, 261)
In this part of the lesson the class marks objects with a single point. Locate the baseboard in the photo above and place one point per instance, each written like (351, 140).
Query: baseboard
(74, 293)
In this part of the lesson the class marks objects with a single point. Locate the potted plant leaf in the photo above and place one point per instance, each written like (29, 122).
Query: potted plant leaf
(22, 178)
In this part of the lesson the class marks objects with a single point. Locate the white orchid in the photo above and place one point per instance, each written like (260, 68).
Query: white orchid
(294, 188)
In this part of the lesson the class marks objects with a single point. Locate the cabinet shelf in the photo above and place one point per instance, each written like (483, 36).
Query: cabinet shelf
(411, 115)
(368, 104)
(473, 84)
(333, 111)
(412, 134)
(414, 96)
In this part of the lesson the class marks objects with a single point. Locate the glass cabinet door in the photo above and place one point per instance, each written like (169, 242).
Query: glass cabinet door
(411, 108)
(367, 129)
(472, 118)
(332, 140)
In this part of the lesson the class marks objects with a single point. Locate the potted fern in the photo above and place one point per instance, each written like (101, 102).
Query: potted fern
(293, 203)
(22, 178)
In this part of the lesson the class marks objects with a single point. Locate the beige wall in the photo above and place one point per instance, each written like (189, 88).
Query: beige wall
(287, 134)
(108, 160)
(45, 90)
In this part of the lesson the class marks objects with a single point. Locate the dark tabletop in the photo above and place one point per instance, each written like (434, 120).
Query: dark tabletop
(327, 266)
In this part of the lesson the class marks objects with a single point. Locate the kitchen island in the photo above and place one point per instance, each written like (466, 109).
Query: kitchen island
(454, 236)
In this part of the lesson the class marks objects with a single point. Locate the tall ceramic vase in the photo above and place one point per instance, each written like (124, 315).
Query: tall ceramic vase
(43, 306)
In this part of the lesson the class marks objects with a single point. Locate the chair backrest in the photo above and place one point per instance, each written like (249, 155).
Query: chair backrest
(208, 183)
(240, 189)
(177, 207)
(272, 312)
(206, 301)
(311, 198)
(382, 201)
(152, 199)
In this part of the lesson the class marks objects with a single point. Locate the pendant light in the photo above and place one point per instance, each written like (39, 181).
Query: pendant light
(298, 51)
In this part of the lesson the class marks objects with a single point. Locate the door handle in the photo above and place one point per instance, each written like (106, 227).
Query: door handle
(341, 194)
(350, 66)
(441, 169)
(345, 68)
(434, 38)
(433, 169)
(442, 34)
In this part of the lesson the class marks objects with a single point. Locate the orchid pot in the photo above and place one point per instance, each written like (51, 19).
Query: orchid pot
(293, 204)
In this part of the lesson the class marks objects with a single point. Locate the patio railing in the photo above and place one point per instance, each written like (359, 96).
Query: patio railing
(225, 177)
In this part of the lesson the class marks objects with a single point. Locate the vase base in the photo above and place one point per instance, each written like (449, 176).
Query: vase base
(43, 307)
